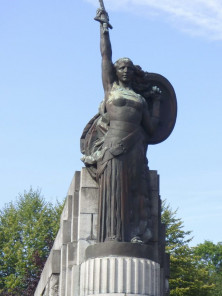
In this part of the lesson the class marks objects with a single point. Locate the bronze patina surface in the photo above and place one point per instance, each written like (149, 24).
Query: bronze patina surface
(139, 108)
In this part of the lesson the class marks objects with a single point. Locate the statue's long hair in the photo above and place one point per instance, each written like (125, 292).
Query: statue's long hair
(140, 82)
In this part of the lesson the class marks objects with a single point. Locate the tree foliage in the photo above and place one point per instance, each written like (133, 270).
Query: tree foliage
(27, 231)
(28, 228)
(188, 275)
(210, 255)
(176, 236)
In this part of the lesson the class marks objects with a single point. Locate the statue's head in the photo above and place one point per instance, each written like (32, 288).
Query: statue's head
(124, 70)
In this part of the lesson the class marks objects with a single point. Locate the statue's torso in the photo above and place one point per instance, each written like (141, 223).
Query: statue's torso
(125, 106)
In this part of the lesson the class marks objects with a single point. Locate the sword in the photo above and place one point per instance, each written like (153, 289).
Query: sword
(102, 17)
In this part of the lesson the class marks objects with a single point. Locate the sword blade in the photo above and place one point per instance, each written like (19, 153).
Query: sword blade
(102, 4)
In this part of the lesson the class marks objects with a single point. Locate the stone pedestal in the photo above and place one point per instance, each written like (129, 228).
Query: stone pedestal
(78, 230)
(121, 268)
(127, 275)
(77, 266)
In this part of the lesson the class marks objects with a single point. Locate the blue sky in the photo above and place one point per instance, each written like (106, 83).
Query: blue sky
(50, 86)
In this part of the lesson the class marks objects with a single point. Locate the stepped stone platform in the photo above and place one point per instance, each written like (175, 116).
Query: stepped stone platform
(77, 266)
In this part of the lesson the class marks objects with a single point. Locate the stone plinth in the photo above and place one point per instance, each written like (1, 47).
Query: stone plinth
(127, 275)
(78, 222)
(77, 266)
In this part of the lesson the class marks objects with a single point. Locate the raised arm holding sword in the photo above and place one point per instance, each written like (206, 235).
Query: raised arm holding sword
(102, 17)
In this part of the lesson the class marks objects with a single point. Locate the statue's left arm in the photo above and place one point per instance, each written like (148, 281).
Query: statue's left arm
(150, 121)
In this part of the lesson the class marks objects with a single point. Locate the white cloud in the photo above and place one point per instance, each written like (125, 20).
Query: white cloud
(197, 17)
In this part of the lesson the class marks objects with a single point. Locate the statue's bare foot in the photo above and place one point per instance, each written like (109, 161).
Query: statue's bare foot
(136, 240)
(113, 238)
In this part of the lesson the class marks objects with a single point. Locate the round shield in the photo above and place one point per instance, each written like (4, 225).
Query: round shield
(168, 107)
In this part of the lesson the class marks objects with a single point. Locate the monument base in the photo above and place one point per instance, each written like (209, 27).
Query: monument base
(79, 266)
(122, 275)
(121, 268)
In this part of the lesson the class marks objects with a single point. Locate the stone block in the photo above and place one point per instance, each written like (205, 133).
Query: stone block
(67, 210)
(75, 280)
(155, 206)
(71, 253)
(167, 265)
(87, 180)
(154, 180)
(81, 247)
(75, 209)
(66, 231)
(68, 281)
(52, 266)
(85, 226)
(162, 280)
(54, 257)
(74, 229)
(58, 240)
(154, 194)
(75, 183)
(162, 238)
(155, 227)
(46, 291)
(63, 268)
(88, 202)
(95, 226)
(54, 285)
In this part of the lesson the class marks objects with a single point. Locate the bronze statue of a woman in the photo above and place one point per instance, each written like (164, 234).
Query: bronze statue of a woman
(139, 108)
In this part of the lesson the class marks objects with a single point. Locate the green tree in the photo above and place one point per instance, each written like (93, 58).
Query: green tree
(210, 255)
(176, 236)
(188, 276)
(27, 231)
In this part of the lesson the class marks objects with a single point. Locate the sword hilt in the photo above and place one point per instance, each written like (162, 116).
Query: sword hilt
(103, 17)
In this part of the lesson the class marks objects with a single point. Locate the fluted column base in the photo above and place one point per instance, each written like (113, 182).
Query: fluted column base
(119, 294)
(120, 276)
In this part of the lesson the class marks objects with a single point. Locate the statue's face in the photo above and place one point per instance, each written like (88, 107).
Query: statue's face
(125, 71)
